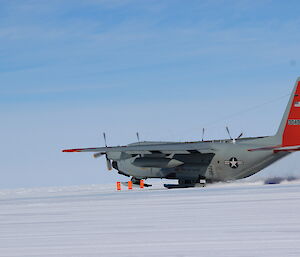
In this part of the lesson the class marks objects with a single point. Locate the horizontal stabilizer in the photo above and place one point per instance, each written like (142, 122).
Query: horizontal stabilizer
(288, 149)
(277, 149)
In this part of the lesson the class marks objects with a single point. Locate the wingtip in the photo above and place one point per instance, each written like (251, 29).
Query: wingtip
(70, 150)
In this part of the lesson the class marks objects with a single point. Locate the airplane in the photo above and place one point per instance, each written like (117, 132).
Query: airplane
(197, 163)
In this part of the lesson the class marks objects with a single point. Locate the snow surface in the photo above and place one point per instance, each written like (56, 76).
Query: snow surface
(241, 219)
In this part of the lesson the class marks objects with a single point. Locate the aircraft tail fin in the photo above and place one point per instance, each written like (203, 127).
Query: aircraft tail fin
(289, 130)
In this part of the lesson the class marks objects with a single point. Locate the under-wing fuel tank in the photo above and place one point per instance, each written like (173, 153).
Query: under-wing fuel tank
(145, 162)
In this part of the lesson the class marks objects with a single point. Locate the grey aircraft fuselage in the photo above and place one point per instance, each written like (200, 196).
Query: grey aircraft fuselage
(217, 160)
(226, 161)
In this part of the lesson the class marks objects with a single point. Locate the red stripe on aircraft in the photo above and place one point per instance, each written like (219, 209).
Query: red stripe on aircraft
(77, 150)
(291, 135)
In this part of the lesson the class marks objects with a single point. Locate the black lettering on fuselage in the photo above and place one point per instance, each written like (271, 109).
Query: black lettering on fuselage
(294, 122)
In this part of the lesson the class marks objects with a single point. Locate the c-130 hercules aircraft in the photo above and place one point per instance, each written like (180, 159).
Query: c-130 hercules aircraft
(195, 163)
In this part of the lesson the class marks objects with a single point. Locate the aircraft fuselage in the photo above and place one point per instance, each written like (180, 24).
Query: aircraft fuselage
(226, 161)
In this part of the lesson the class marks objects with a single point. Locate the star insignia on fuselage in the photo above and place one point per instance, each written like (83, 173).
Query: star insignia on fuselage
(233, 163)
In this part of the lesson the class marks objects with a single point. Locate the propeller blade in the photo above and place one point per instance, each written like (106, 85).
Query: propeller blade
(229, 133)
(240, 135)
(97, 155)
(104, 136)
(203, 132)
(108, 164)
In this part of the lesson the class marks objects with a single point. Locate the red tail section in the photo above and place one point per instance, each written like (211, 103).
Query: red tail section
(291, 134)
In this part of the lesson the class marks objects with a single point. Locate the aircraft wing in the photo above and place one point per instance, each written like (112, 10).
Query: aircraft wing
(176, 148)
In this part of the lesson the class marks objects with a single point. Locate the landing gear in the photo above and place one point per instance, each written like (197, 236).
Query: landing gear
(202, 182)
(137, 181)
(187, 183)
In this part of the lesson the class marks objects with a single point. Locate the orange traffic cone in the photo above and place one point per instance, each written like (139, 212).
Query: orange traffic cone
(130, 185)
(142, 184)
(119, 186)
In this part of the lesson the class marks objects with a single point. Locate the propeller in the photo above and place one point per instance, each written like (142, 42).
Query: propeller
(229, 133)
(240, 135)
(104, 136)
(203, 132)
(108, 163)
(233, 139)
(138, 136)
(97, 155)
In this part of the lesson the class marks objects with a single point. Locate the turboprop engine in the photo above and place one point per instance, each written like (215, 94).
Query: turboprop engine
(147, 162)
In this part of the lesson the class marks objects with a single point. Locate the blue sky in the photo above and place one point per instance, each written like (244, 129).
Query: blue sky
(72, 69)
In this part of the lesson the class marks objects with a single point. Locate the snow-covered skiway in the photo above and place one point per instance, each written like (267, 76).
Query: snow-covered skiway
(240, 219)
